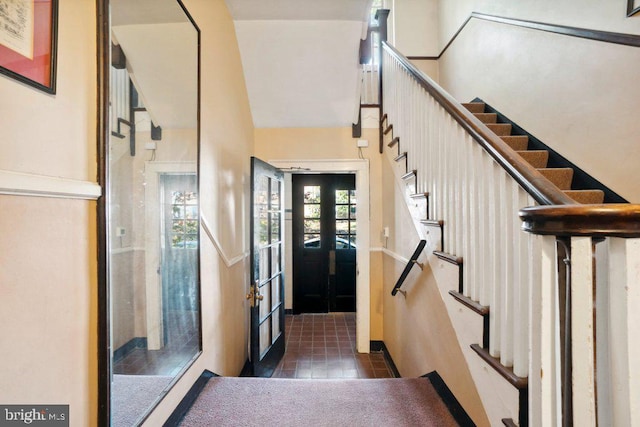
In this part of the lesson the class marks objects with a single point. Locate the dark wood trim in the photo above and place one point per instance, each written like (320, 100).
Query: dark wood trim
(455, 408)
(126, 348)
(103, 45)
(506, 373)
(539, 187)
(370, 106)
(381, 346)
(423, 58)
(393, 142)
(420, 196)
(388, 129)
(452, 259)
(596, 35)
(509, 422)
(583, 33)
(476, 307)
(383, 118)
(619, 220)
(188, 400)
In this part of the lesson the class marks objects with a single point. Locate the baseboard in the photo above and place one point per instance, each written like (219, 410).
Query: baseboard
(456, 410)
(126, 348)
(247, 369)
(380, 346)
(187, 401)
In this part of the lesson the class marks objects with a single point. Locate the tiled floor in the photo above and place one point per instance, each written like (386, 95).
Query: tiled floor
(323, 346)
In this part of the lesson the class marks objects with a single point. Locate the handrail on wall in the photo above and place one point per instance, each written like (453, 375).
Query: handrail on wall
(412, 261)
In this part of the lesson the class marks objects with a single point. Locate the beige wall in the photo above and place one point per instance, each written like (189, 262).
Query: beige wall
(48, 273)
(226, 146)
(575, 95)
(413, 27)
(334, 143)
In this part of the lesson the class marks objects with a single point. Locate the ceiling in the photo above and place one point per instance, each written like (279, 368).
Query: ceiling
(300, 59)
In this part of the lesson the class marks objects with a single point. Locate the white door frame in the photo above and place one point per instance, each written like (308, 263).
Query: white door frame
(363, 292)
(152, 242)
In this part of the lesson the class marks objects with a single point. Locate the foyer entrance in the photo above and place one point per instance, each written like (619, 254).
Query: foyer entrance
(324, 243)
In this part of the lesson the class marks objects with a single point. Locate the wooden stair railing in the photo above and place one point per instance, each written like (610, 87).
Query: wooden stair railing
(475, 183)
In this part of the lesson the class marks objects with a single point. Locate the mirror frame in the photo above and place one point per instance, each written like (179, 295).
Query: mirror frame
(104, 367)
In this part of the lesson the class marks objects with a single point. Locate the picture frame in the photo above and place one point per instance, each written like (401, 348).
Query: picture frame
(28, 42)
(633, 7)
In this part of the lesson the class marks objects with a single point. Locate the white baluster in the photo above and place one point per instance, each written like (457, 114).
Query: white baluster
(521, 290)
(624, 330)
(584, 404)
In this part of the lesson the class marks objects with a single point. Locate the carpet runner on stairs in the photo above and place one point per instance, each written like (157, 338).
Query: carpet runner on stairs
(561, 177)
(230, 401)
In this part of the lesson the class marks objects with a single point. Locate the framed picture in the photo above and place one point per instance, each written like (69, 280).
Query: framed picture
(633, 7)
(28, 38)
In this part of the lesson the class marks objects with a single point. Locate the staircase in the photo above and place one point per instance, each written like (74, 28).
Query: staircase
(561, 177)
(551, 273)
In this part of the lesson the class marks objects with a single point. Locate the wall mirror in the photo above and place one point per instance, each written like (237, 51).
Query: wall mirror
(152, 207)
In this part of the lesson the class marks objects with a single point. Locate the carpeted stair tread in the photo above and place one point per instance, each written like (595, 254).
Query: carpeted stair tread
(500, 129)
(560, 177)
(474, 107)
(228, 401)
(587, 197)
(517, 142)
(487, 117)
(536, 158)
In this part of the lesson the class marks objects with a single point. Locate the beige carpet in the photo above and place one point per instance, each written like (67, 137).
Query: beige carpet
(227, 401)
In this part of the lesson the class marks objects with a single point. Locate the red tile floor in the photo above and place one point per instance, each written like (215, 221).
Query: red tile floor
(323, 346)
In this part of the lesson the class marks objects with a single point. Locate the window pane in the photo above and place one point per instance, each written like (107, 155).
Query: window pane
(263, 228)
(342, 227)
(353, 227)
(352, 194)
(263, 264)
(178, 211)
(311, 240)
(312, 211)
(311, 226)
(311, 194)
(275, 227)
(275, 260)
(191, 212)
(342, 211)
(352, 211)
(191, 241)
(177, 226)
(342, 196)
(275, 195)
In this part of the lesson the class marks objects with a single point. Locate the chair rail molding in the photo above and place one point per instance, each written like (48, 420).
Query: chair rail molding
(33, 185)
